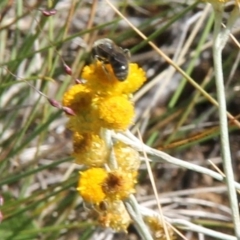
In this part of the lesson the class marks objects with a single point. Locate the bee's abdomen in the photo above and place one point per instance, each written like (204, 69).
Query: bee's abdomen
(120, 70)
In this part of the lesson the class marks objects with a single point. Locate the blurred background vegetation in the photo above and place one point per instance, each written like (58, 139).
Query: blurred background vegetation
(37, 176)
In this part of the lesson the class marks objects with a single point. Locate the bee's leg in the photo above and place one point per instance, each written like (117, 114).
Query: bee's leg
(98, 58)
(105, 70)
(104, 67)
(127, 53)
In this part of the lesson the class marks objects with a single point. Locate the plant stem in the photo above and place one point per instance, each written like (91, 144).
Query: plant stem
(220, 39)
(106, 136)
(133, 209)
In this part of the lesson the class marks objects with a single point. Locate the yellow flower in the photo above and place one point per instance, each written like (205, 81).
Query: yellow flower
(115, 216)
(157, 229)
(90, 185)
(89, 149)
(86, 122)
(102, 80)
(115, 112)
(119, 184)
(127, 158)
(96, 185)
(103, 101)
(78, 98)
(135, 80)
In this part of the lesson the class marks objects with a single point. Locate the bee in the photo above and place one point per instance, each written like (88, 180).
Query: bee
(106, 51)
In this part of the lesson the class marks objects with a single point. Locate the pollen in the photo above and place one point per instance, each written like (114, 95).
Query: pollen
(89, 149)
(135, 79)
(128, 159)
(116, 112)
(90, 185)
(119, 184)
(115, 217)
(100, 77)
(157, 229)
(86, 122)
(78, 98)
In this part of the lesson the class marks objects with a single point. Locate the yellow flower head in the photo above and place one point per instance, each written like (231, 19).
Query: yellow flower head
(119, 184)
(90, 185)
(127, 158)
(96, 185)
(103, 81)
(78, 98)
(115, 216)
(115, 112)
(135, 80)
(89, 149)
(86, 122)
(157, 229)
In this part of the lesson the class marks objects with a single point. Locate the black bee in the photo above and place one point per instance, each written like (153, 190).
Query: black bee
(106, 51)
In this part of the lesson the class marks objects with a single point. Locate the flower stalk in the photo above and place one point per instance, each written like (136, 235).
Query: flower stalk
(106, 136)
(219, 40)
(134, 211)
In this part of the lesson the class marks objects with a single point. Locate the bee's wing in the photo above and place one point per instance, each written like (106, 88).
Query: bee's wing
(119, 55)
